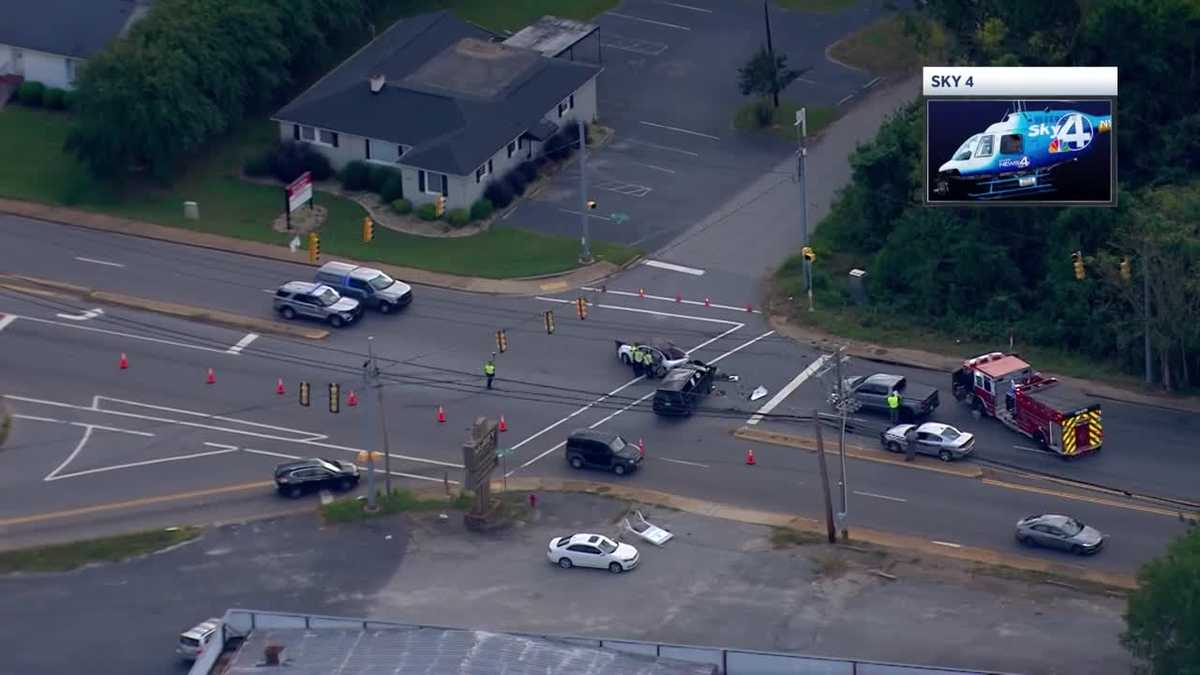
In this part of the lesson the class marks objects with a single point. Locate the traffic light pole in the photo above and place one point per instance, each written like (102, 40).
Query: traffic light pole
(1146, 315)
(585, 250)
(387, 449)
(802, 141)
(368, 368)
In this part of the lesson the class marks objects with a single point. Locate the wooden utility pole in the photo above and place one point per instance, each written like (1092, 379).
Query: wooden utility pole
(829, 526)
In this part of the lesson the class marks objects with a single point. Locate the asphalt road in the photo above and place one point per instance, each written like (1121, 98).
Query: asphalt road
(675, 157)
(63, 380)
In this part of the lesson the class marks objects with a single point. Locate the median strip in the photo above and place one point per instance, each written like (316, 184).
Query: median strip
(49, 287)
(66, 557)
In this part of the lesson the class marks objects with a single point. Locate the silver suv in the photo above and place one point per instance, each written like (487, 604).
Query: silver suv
(368, 285)
(316, 301)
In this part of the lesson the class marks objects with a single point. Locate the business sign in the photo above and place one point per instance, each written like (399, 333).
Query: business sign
(300, 192)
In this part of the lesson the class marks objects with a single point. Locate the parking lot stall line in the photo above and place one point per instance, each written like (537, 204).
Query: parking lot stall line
(657, 146)
(687, 7)
(631, 17)
(680, 130)
(788, 389)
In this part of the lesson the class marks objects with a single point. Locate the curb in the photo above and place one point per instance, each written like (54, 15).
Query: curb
(254, 249)
(857, 452)
(214, 316)
(5, 421)
(889, 540)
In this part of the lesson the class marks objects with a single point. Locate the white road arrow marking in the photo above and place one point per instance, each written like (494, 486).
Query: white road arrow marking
(83, 316)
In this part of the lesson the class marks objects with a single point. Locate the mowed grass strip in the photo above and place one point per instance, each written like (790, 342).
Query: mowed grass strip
(351, 509)
(783, 118)
(65, 557)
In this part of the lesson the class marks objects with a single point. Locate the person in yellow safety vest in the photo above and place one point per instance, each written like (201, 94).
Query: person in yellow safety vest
(489, 370)
(637, 360)
(893, 401)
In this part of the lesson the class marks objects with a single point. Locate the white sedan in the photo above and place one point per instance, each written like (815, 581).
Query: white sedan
(592, 550)
(931, 438)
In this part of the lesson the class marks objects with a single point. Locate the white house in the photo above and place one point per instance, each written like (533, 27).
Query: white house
(445, 103)
(48, 40)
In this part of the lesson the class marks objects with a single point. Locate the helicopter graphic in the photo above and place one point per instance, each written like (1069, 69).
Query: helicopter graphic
(1017, 155)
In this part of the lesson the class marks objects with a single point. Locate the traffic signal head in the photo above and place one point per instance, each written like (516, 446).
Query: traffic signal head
(549, 316)
(335, 397)
(501, 341)
(1126, 270)
(1077, 263)
(368, 228)
(808, 253)
(314, 247)
(581, 307)
(304, 390)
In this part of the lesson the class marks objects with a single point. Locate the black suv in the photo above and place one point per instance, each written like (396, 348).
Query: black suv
(602, 450)
(295, 478)
(681, 390)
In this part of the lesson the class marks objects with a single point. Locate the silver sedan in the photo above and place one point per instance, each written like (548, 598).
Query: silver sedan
(1061, 532)
(931, 438)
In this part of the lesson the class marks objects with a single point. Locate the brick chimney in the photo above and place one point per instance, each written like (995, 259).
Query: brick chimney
(377, 82)
(273, 655)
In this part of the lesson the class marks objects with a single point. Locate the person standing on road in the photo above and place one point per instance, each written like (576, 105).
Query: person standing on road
(636, 355)
(893, 401)
(489, 370)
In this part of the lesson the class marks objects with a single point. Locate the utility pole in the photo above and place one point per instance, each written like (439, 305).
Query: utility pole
(829, 528)
(585, 250)
(368, 370)
(771, 52)
(842, 406)
(387, 449)
(802, 154)
(1146, 314)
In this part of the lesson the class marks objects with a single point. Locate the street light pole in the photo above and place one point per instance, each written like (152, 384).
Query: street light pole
(585, 250)
(802, 155)
(771, 52)
(387, 449)
(1146, 315)
(367, 368)
(843, 516)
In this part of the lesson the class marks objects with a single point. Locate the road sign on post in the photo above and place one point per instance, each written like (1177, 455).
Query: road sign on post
(297, 194)
(479, 460)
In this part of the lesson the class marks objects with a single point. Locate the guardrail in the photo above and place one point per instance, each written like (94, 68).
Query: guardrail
(241, 622)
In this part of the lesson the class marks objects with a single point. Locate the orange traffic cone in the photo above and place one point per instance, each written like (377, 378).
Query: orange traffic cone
(750, 458)
(352, 399)
(642, 293)
(678, 297)
(749, 307)
(279, 387)
(503, 424)
(642, 447)
(123, 362)
(211, 378)
(441, 416)
(707, 302)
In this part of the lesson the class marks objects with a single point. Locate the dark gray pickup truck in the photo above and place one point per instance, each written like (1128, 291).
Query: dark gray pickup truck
(917, 401)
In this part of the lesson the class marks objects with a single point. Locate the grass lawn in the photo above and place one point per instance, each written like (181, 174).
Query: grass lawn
(817, 6)
(783, 118)
(500, 15)
(64, 557)
(882, 48)
(351, 509)
(42, 172)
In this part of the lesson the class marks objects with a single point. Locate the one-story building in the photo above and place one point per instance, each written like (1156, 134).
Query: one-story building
(48, 41)
(444, 102)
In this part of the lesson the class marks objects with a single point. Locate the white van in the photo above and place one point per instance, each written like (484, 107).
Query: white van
(196, 639)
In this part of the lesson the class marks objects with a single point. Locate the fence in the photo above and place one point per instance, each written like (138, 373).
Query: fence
(241, 622)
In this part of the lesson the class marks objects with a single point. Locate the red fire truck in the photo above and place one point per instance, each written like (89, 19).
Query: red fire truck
(1007, 388)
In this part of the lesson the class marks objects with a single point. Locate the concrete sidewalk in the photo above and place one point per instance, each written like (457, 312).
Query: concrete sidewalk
(582, 276)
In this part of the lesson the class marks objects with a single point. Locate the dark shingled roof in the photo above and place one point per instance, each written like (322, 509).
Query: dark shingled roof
(452, 94)
(66, 27)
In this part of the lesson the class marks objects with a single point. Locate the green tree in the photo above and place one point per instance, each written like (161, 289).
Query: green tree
(764, 75)
(1162, 620)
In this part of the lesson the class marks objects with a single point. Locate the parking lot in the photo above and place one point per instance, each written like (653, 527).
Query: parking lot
(716, 583)
(675, 157)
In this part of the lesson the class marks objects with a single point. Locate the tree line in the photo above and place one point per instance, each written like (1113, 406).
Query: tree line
(988, 273)
(192, 70)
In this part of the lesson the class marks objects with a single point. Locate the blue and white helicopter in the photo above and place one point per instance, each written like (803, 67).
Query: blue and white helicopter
(1015, 156)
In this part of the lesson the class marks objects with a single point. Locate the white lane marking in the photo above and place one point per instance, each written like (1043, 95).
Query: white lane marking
(651, 21)
(682, 6)
(561, 301)
(134, 465)
(1028, 449)
(82, 316)
(682, 461)
(35, 418)
(269, 453)
(581, 410)
(664, 298)
(96, 400)
(742, 346)
(281, 455)
(326, 497)
(643, 47)
(222, 446)
(670, 314)
(87, 434)
(6, 319)
(98, 262)
(269, 290)
(788, 389)
(680, 130)
(243, 343)
(947, 543)
(655, 167)
(590, 215)
(673, 267)
(872, 494)
(312, 440)
(656, 146)
(845, 98)
(125, 335)
(101, 427)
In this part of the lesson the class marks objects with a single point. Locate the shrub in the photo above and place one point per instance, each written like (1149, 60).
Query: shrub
(31, 94)
(380, 175)
(402, 206)
(516, 182)
(458, 217)
(499, 194)
(317, 164)
(482, 208)
(393, 189)
(356, 176)
(528, 170)
(55, 98)
(258, 166)
(70, 100)
(763, 113)
(427, 211)
(287, 161)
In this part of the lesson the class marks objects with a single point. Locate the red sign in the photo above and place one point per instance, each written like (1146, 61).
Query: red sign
(299, 192)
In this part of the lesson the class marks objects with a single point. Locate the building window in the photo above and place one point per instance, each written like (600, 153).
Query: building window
(512, 147)
(308, 134)
(562, 108)
(432, 183)
(327, 137)
(367, 145)
(483, 171)
(382, 152)
(571, 101)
